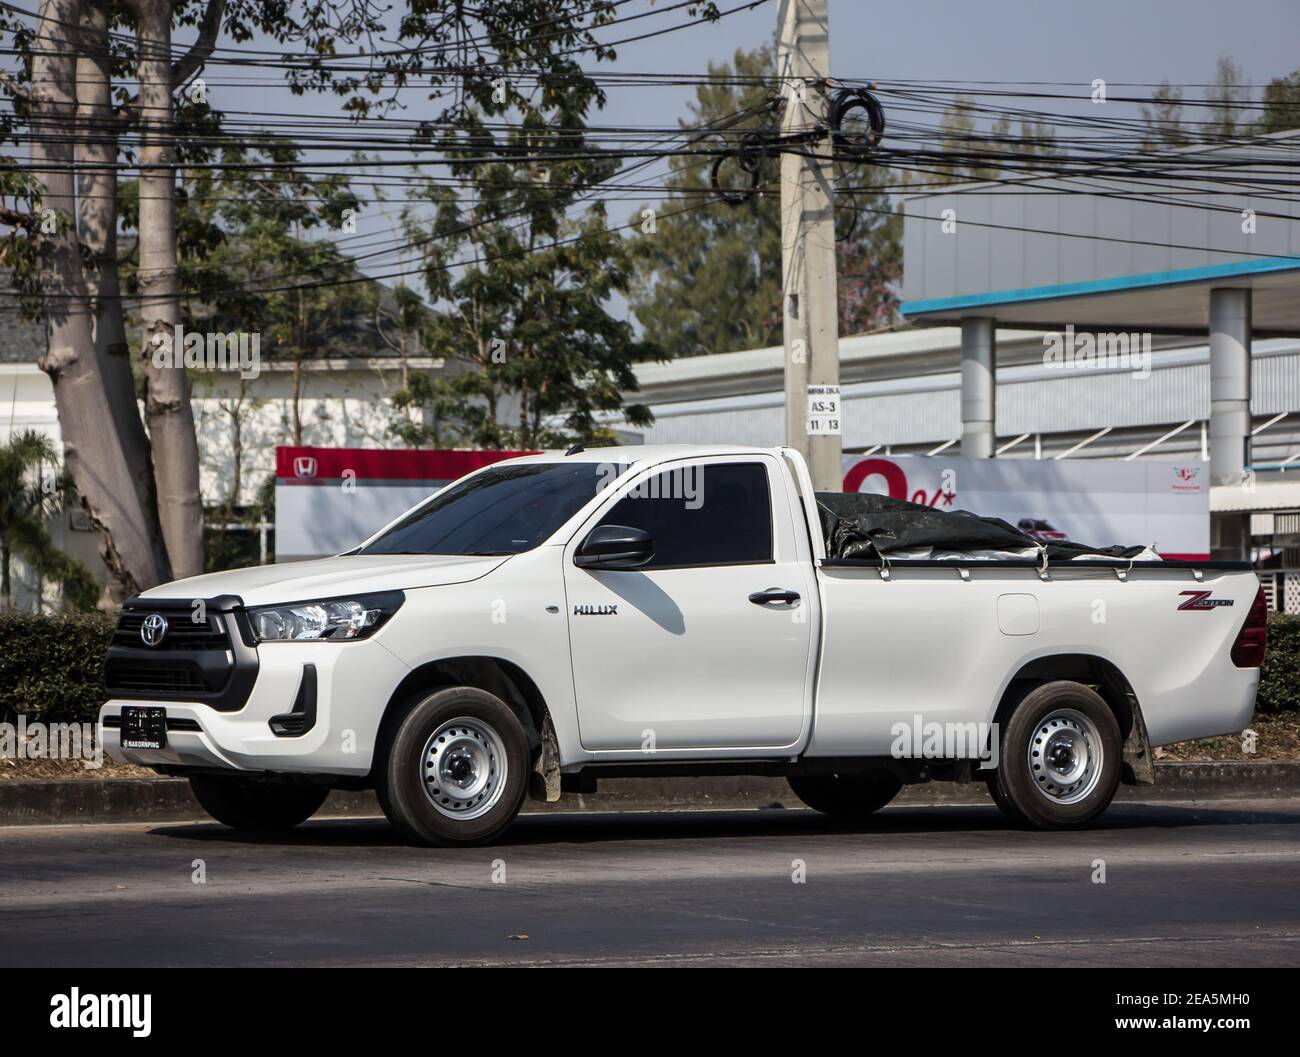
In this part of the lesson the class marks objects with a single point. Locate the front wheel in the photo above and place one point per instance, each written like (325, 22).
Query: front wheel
(455, 770)
(854, 795)
(1059, 763)
(246, 803)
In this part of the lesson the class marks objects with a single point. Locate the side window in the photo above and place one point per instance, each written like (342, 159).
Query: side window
(712, 514)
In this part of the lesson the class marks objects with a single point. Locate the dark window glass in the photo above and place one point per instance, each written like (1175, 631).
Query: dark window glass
(715, 514)
(503, 510)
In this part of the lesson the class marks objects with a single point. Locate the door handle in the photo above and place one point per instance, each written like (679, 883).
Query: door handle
(774, 594)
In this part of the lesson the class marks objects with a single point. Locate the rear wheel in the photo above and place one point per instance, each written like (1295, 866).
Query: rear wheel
(853, 795)
(455, 770)
(246, 803)
(1059, 763)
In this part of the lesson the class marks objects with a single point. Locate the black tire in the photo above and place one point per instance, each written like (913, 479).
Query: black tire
(1072, 724)
(1004, 805)
(854, 796)
(431, 810)
(246, 803)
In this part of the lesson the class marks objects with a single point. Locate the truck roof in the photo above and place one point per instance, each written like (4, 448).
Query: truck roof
(645, 453)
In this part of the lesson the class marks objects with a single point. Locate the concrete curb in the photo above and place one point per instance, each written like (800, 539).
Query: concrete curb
(118, 800)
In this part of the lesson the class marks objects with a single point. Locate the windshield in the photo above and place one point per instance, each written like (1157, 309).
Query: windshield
(503, 510)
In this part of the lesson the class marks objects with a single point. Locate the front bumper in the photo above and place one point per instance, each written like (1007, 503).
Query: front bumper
(353, 684)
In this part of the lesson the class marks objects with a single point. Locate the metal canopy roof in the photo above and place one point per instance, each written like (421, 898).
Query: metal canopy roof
(1110, 250)
(1157, 302)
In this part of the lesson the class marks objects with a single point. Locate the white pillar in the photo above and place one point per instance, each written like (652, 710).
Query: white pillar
(1230, 325)
(978, 387)
(1229, 385)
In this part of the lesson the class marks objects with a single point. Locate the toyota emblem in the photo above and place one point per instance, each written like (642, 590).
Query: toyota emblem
(153, 629)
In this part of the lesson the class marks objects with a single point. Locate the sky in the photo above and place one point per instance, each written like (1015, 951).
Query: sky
(1139, 41)
(1121, 41)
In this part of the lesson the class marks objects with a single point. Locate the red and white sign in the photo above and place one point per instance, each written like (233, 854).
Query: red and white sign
(1094, 501)
(327, 500)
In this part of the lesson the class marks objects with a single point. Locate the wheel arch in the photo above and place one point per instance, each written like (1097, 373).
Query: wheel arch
(1113, 687)
(496, 675)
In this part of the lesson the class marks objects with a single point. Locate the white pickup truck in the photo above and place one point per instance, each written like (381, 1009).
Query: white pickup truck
(550, 620)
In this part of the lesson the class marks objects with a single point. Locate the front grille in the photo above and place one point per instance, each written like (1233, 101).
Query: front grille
(125, 677)
(183, 633)
(212, 661)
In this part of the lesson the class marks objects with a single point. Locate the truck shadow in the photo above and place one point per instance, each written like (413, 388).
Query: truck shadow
(614, 826)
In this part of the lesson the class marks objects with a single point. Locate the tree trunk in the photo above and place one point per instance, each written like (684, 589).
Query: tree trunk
(167, 404)
(6, 594)
(97, 146)
(236, 412)
(297, 364)
(295, 404)
(92, 450)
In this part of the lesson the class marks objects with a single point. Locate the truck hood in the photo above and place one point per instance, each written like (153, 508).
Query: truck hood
(330, 577)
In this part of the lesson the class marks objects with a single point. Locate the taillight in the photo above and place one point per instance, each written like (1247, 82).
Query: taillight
(1248, 650)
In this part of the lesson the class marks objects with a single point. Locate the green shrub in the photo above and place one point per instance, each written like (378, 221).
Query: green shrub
(1279, 681)
(51, 667)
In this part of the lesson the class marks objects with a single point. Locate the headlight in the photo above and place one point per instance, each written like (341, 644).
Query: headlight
(331, 618)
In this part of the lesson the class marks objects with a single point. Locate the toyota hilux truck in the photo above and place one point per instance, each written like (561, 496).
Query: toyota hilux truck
(552, 620)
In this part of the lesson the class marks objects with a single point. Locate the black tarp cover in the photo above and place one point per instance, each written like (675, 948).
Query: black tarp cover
(863, 525)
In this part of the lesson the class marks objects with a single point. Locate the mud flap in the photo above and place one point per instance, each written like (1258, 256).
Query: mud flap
(544, 782)
(1139, 766)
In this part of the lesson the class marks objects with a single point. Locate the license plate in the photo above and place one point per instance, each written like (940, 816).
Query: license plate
(144, 728)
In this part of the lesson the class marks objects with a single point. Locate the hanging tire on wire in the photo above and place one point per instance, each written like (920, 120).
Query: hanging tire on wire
(748, 160)
(865, 132)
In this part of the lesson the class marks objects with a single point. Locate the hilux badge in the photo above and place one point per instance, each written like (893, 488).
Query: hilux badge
(595, 611)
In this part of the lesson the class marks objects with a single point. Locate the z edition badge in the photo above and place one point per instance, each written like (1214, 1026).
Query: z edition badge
(1202, 600)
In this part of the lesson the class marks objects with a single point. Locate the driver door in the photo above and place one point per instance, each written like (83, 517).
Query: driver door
(674, 655)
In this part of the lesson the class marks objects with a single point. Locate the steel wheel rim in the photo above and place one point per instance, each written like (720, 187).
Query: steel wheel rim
(1065, 756)
(463, 768)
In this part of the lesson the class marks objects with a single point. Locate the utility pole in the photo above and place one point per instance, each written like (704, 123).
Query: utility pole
(812, 355)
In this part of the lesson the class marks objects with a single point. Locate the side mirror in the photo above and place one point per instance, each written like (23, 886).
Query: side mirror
(615, 547)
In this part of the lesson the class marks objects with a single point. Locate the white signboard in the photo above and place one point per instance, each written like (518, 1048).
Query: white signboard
(824, 411)
(1164, 505)
(327, 500)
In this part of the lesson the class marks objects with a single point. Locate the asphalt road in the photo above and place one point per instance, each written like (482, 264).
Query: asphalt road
(1205, 884)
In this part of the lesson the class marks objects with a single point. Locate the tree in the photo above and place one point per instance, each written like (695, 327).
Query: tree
(30, 492)
(44, 246)
(518, 266)
(1281, 110)
(168, 410)
(97, 149)
(1163, 118)
(708, 279)
(249, 259)
(968, 155)
(536, 354)
(143, 500)
(401, 322)
(1227, 99)
(150, 522)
